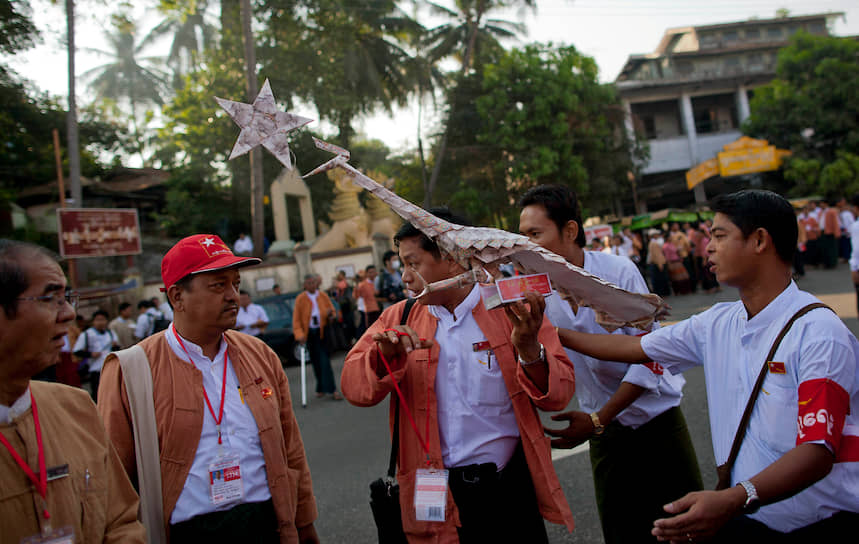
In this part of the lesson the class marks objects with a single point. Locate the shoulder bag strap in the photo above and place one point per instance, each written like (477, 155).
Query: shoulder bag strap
(137, 376)
(395, 439)
(744, 422)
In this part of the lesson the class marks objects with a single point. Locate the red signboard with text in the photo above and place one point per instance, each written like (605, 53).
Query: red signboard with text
(98, 232)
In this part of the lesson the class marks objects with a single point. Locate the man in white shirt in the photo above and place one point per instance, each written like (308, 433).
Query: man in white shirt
(233, 467)
(252, 318)
(93, 345)
(796, 477)
(123, 326)
(146, 319)
(630, 415)
(244, 245)
(473, 380)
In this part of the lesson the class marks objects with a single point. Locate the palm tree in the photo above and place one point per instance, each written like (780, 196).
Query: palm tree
(192, 34)
(468, 35)
(128, 78)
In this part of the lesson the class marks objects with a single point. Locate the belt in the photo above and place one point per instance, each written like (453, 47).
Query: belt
(474, 474)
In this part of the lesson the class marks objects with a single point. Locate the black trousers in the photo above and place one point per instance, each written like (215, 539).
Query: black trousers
(841, 527)
(250, 522)
(497, 506)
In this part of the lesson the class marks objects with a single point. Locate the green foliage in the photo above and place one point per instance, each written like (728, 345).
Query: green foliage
(545, 118)
(811, 109)
(195, 204)
(17, 31)
(27, 121)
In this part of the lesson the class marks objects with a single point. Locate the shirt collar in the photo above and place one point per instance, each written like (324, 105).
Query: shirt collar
(777, 307)
(465, 307)
(8, 414)
(195, 351)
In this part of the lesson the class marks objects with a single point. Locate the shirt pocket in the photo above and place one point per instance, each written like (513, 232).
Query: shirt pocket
(486, 385)
(89, 478)
(775, 411)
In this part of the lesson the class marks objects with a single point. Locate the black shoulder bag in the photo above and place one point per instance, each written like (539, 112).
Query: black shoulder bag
(385, 492)
(723, 471)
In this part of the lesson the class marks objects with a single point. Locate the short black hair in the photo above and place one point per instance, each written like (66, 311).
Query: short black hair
(561, 205)
(369, 267)
(145, 304)
(243, 292)
(388, 255)
(100, 312)
(410, 231)
(14, 280)
(124, 305)
(753, 209)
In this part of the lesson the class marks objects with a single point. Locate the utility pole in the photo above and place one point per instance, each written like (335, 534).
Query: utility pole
(74, 148)
(257, 221)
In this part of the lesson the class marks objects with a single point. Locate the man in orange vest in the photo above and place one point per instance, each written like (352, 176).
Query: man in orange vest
(313, 310)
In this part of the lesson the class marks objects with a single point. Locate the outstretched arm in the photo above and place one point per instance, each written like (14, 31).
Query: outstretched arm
(606, 347)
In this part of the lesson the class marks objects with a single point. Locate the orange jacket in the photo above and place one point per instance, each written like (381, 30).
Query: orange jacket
(301, 315)
(363, 387)
(177, 388)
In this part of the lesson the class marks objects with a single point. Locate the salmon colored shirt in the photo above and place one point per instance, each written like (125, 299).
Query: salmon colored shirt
(831, 222)
(367, 291)
(362, 386)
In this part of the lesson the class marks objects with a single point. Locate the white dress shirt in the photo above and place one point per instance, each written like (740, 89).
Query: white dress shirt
(8, 414)
(248, 316)
(731, 347)
(146, 323)
(96, 342)
(244, 245)
(239, 434)
(476, 421)
(854, 242)
(596, 380)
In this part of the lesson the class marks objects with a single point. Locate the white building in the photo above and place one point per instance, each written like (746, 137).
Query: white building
(689, 97)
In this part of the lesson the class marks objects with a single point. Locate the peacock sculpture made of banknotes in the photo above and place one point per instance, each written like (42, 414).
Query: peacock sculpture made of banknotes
(480, 250)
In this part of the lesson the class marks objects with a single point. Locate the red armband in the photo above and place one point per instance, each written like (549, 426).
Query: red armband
(654, 367)
(823, 407)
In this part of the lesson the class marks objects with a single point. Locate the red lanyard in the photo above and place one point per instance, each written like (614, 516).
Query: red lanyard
(424, 442)
(41, 482)
(220, 416)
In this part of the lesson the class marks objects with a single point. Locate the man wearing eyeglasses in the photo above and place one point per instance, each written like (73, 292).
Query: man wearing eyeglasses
(61, 477)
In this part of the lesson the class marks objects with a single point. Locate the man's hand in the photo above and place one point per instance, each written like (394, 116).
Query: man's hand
(699, 515)
(307, 535)
(579, 429)
(396, 343)
(526, 320)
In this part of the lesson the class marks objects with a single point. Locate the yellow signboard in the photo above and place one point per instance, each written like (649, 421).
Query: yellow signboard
(747, 161)
(699, 173)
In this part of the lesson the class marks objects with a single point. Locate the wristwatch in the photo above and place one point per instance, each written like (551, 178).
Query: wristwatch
(541, 357)
(599, 428)
(753, 502)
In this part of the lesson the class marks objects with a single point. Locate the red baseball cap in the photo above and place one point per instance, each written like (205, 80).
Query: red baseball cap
(199, 253)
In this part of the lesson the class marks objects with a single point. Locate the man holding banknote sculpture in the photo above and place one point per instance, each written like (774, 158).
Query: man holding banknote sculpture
(472, 380)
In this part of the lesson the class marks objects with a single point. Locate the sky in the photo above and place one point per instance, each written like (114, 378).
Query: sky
(608, 30)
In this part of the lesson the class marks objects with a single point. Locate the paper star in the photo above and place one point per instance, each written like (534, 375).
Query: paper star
(262, 124)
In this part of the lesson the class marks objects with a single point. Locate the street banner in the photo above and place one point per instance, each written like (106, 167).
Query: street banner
(98, 232)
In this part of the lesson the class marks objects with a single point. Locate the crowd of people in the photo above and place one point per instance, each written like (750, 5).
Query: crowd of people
(194, 432)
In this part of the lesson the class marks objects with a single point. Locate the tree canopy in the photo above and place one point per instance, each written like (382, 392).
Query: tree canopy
(811, 109)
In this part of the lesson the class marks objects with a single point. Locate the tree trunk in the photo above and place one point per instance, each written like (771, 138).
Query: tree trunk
(466, 63)
(257, 218)
(72, 116)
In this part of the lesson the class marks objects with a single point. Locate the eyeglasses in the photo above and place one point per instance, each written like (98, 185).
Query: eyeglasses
(58, 298)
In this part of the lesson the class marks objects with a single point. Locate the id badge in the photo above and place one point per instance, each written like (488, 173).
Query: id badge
(225, 479)
(430, 494)
(64, 535)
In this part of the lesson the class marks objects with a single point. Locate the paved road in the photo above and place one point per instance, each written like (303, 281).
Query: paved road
(347, 447)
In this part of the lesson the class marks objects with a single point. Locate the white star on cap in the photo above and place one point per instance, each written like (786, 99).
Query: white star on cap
(261, 123)
(208, 241)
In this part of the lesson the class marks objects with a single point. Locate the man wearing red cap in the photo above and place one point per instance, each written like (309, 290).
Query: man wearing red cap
(233, 466)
